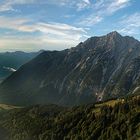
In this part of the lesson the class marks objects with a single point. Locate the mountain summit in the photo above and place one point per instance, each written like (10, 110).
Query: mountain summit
(114, 33)
(97, 69)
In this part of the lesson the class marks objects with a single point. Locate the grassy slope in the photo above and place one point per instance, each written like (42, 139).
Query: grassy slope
(7, 107)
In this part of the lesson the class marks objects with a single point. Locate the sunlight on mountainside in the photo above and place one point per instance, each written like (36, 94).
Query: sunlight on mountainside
(8, 107)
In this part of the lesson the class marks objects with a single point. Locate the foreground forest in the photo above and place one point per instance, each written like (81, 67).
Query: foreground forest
(111, 120)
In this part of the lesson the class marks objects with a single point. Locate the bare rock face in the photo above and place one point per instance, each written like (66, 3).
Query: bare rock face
(97, 69)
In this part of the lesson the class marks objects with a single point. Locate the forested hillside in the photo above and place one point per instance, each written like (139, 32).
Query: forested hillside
(112, 120)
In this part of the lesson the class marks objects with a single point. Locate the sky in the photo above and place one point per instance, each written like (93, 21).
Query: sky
(32, 25)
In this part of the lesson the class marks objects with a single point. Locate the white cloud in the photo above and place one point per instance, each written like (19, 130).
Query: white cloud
(9, 69)
(101, 9)
(7, 5)
(12, 23)
(83, 4)
(55, 29)
(91, 20)
(87, 1)
(108, 7)
(130, 25)
(78, 4)
(61, 30)
(50, 34)
(30, 43)
(25, 43)
(116, 5)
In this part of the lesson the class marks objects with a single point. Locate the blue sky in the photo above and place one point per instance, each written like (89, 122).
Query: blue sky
(31, 25)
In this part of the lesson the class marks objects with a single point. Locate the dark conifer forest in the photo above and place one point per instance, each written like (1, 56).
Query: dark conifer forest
(111, 120)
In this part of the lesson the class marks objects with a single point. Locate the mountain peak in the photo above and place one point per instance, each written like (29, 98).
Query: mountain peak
(114, 34)
(109, 38)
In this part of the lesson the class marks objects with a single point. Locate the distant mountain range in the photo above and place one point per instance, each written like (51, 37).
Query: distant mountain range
(97, 69)
(11, 61)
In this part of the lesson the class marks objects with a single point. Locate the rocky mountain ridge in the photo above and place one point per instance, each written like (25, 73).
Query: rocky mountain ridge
(97, 69)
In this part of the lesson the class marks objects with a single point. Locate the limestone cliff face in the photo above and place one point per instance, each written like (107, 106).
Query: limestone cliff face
(97, 69)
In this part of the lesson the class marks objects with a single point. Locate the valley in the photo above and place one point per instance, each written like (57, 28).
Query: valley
(11, 61)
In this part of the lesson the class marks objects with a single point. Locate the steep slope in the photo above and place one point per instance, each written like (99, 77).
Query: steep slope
(11, 61)
(112, 122)
(97, 69)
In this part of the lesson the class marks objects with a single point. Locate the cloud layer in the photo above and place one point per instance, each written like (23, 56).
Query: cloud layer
(101, 9)
(52, 24)
(130, 24)
(49, 33)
